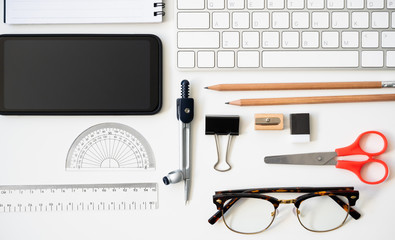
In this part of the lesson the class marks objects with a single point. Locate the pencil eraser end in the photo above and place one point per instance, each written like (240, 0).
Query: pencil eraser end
(300, 127)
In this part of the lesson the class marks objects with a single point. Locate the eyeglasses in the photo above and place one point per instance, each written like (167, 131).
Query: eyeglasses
(248, 211)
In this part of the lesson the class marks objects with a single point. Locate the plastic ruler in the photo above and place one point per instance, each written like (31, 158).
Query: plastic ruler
(80, 197)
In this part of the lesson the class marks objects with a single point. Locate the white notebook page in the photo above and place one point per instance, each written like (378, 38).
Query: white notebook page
(80, 11)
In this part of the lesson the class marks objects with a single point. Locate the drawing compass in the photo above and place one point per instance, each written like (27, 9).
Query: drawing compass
(185, 113)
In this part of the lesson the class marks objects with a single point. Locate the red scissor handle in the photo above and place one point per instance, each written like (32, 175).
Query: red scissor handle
(355, 147)
(356, 167)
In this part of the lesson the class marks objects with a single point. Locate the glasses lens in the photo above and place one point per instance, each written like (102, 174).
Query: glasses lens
(323, 213)
(249, 215)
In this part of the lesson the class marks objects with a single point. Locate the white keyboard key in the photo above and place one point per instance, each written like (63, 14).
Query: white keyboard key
(250, 39)
(205, 59)
(248, 59)
(260, 20)
(380, 19)
(275, 4)
(372, 59)
(190, 4)
(335, 4)
(350, 39)
(235, 4)
(320, 20)
(215, 4)
(315, 4)
(330, 39)
(340, 20)
(310, 39)
(193, 20)
(311, 59)
(198, 40)
(355, 4)
(280, 20)
(360, 19)
(290, 39)
(390, 60)
(375, 4)
(270, 39)
(186, 59)
(391, 4)
(393, 20)
(370, 39)
(241, 20)
(221, 20)
(226, 59)
(388, 39)
(255, 4)
(300, 20)
(230, 40)
(295, 4)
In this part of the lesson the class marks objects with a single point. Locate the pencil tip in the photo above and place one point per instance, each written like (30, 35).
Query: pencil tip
(227, 103)
(205, 87)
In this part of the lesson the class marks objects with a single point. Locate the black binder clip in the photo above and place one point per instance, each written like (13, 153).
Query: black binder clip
(222, 125)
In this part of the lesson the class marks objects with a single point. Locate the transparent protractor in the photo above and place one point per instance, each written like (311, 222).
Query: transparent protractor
(110, 146)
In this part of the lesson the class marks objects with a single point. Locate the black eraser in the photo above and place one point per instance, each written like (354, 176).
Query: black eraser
(222, 125)
(300, 127)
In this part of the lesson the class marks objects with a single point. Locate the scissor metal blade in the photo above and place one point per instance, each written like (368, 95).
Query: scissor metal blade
(320, 158)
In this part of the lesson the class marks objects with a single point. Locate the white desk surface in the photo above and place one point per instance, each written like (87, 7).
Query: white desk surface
(33, 151)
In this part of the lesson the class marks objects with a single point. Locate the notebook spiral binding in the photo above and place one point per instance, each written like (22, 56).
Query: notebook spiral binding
(161, 5)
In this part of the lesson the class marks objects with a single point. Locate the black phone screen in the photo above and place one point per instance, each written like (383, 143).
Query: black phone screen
(80, 74)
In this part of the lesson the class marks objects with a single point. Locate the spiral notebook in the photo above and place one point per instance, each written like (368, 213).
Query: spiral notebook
(82, 11)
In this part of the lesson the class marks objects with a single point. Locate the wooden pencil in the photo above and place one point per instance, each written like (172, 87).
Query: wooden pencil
(295, 86)
(313, 100)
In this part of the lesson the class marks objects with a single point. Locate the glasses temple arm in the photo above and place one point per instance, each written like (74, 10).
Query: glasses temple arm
(353, 213)
(213, 219)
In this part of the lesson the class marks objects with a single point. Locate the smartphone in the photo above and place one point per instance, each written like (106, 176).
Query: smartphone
(80, 74)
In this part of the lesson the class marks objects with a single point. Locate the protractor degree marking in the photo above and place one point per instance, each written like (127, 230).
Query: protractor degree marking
(117, 147)
(126, 153)
(91, 160)
(124, 147)
(93, 155)
(129, 158)
(136, 147)
(95, 150)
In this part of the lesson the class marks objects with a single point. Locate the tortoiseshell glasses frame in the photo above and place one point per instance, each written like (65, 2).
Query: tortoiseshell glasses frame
(224, 200)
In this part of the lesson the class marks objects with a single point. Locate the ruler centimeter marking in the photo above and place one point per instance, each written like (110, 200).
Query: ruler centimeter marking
(79, 197)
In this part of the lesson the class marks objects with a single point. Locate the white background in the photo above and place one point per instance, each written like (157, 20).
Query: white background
(33, 151)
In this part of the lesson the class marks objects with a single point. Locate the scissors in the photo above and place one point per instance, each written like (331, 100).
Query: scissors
(329, 158)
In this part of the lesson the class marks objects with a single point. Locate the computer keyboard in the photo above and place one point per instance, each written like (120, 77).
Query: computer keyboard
(259, 34)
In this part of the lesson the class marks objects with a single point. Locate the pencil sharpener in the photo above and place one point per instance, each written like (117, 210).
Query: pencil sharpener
(269, 121)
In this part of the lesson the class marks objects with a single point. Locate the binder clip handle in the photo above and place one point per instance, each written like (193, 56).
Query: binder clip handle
(219, 155)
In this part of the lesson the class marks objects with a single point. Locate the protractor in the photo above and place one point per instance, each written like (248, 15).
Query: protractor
(110, 146)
